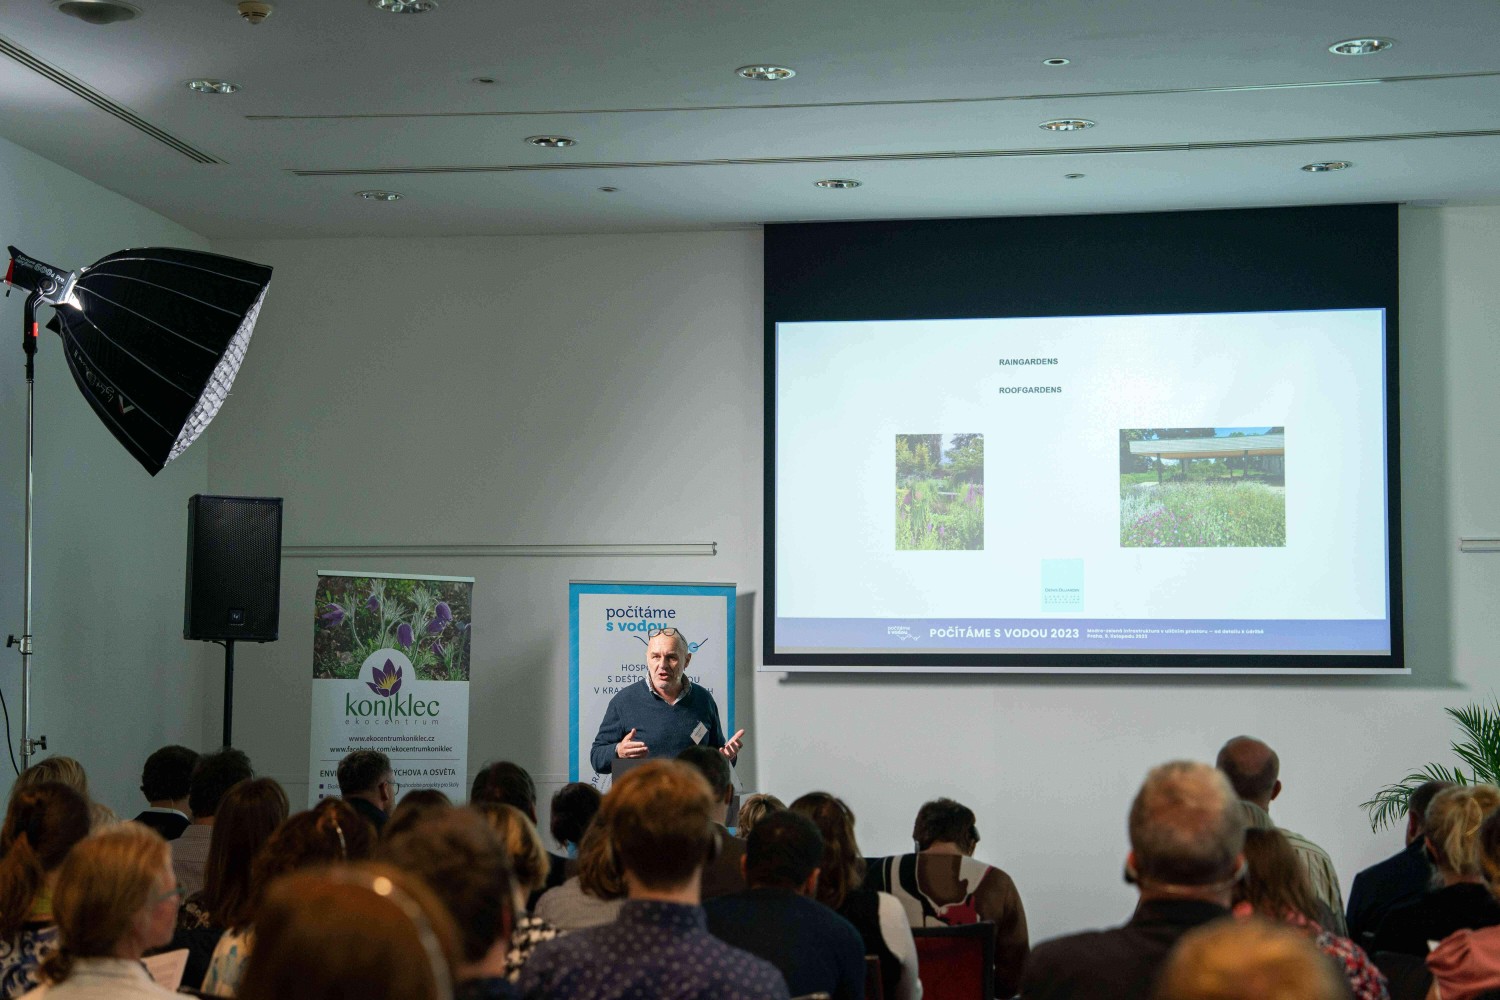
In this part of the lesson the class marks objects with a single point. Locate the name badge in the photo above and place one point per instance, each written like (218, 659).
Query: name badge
(699, 731)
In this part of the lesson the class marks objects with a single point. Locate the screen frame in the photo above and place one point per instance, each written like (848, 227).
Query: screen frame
(1237, 260)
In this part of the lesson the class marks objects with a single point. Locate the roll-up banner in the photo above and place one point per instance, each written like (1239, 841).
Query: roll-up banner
(607, 628)
(391, 657)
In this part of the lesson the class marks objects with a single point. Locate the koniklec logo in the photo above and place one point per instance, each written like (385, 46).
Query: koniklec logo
(385, 669)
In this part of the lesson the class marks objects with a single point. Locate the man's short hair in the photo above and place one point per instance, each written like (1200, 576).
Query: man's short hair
(361, 770)
(168, 773)
(1252, 767)
(459, 857)
(1249, 960)
(506, 783)
(215, 774)
(679, 640)
(782, 851)
(573, 809)
(1421, 798)
(714, 767)
(1186, 825)
(945, 820)
(659, 819)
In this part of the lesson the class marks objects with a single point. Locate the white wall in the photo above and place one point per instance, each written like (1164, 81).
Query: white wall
(112, 677)
(608, 388)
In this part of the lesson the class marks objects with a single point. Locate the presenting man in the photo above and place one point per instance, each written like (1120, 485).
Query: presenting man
(662, 715)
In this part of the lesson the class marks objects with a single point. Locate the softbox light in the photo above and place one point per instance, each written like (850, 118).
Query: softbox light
(153, 337)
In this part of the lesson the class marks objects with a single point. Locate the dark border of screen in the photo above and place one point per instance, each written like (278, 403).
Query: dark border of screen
(1239, 260)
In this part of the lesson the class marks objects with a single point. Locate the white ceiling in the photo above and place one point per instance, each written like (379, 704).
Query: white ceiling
(933, 106)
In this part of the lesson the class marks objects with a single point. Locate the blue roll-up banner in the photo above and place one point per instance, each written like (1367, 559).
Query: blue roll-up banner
(607, 628)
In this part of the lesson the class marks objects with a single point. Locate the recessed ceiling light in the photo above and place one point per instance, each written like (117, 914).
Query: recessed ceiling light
(484, 79)
(213, 86)
(1067, 124)
(551, 141)
(378, 195)
(609, 190)
(1360, 46)
(1056, 61)
(769, 74)
(404, 6)
(1072, 177)
(97, 11)
(837, 183)
(1325, 166)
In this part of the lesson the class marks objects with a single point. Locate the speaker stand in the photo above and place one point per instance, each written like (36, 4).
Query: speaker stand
(228, 645)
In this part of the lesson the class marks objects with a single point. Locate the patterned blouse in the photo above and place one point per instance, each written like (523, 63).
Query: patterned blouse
(529, 932)
(1367, 982)
(21, 957)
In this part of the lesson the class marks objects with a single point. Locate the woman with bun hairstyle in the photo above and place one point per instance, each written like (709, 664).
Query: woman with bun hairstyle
(43, 823)
(1461, 901)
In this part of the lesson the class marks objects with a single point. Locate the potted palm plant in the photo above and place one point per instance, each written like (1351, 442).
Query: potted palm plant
(1479, 748)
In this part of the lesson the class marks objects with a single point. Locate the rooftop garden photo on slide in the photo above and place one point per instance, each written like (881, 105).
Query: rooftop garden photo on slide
(1202, 487)
(939, 491)
(428, 620)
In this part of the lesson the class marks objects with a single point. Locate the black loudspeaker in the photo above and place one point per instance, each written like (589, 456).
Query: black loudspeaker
(233, 569)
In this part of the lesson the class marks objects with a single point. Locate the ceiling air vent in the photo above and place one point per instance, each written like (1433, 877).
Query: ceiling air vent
(98, 100)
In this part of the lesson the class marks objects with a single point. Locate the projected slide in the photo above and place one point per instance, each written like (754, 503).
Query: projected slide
(1207, 483)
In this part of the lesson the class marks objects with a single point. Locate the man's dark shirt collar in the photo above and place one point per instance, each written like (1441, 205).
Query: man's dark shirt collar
(1176, 912)
(674, 916)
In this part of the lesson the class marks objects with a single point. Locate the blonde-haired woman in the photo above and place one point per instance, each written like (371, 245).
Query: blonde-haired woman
(116, 899)
(528, 864)
(1461, 901)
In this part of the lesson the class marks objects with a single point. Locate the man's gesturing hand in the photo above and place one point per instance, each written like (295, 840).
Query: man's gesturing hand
(732, 748)
(630, 746)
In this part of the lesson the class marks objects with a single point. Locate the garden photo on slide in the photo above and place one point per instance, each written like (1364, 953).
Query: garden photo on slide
(1201, 487)
(939, 491)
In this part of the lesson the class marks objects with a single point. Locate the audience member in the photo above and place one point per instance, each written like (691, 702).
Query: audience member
(816, 950)
(164, 783)
(943, 884)
(459, 857)
(1254, 770)
(1403, 876)
(67, 771)
(527, 860)
(43, 823)
(367, 783)
(754, 809)
(1275, 887)
(510, 784)
(215, 774)
(116, 899)
(414, 807)
(1461, 902)
(573, 809)
(878, 916)
(365, 931)
(1247, 960)
(592, 897)
(1187, 832)
(247, 816)
(725, 873)
(1466, 965)
(659, 819)
(329, 833)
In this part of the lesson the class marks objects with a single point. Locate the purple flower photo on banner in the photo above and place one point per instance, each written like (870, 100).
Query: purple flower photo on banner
(423, 620)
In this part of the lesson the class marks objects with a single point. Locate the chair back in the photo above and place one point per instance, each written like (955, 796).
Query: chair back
(874, 982)
(956, 962)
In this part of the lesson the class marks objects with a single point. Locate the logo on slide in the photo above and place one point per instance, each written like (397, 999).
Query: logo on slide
(693, 647)
(385, 681)
(902, 632)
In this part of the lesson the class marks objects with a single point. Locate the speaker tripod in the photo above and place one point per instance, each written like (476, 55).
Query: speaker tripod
(228, 645)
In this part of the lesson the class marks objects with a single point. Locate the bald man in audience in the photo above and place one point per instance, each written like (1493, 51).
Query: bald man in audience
(1255, 772)
(1187, 835)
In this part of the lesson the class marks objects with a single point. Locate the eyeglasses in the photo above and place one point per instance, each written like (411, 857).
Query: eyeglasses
(675, 633)
(161, 897)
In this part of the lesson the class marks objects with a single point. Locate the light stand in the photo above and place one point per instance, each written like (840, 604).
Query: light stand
(153, 338)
